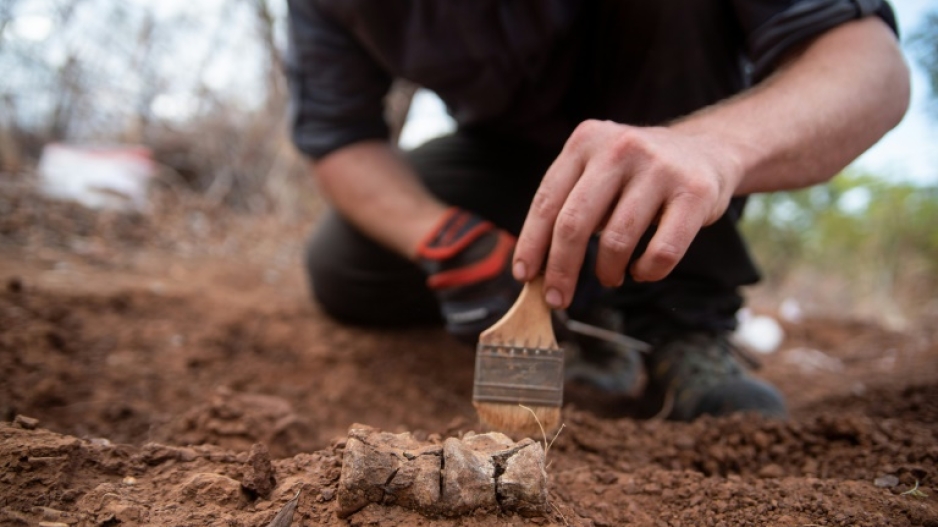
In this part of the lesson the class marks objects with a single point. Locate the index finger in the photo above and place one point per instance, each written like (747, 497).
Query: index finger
(534, 240)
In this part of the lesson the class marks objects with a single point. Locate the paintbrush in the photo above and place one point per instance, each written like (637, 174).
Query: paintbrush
(518, 388)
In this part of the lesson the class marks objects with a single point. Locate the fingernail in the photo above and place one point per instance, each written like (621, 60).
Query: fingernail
(554, 298)
(621, 281)
(520, 270)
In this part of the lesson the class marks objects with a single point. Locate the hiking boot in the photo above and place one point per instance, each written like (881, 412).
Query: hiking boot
(698, 374)
(608, 366)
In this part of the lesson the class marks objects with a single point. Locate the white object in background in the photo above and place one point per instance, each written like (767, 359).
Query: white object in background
(759, 333)
(811, 360)
(427, 119)
(102, 177)
(790, 311)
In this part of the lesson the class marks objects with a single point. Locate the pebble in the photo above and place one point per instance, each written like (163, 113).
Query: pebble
(26, 423)
(886, 482)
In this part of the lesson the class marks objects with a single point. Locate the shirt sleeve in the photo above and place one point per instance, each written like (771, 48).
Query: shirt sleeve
(336, 89)
(773, 27)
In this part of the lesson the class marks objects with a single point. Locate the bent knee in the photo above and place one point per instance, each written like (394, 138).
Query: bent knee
(365, 285)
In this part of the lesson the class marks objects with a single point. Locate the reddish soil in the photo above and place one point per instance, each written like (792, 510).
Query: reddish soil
(154, 351)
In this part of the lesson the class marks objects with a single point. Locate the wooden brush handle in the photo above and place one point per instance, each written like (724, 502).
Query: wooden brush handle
(527, 323)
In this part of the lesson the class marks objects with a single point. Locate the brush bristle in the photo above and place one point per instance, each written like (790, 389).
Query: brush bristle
(517, 421)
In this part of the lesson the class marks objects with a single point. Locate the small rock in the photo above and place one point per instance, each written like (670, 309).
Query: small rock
(468, 478)
(327, 494)
(416, 485)
(365, 471)
(26, 423)
(886, 482)
(259, 476)
(522, 487)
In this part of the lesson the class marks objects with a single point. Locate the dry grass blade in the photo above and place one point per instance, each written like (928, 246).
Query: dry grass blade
(914, 491)
(285, 517)
(544, 432)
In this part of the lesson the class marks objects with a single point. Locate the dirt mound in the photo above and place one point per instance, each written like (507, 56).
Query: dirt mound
(154, 373)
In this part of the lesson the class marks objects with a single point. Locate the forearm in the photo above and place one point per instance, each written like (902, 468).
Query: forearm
(799, 128)
(374, 188)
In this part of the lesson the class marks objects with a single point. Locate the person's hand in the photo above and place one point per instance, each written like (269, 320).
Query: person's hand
(468, 263)
(621, 180)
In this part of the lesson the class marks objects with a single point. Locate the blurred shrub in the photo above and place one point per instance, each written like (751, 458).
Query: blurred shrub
(861, 239)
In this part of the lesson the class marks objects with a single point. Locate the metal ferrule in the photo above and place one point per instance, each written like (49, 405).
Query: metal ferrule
(519, 375)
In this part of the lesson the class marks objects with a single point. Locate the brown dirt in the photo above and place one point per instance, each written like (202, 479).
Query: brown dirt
(155, 351)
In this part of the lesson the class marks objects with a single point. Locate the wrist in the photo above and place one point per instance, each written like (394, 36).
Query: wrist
(419, 227)
(731, 156)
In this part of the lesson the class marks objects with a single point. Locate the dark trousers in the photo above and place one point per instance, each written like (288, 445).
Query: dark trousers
(358, 281)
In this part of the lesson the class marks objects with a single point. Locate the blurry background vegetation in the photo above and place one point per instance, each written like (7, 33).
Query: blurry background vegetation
(200, 83)
(861, 245)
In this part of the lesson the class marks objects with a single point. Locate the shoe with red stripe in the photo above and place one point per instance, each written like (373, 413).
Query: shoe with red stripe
(468, 264)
